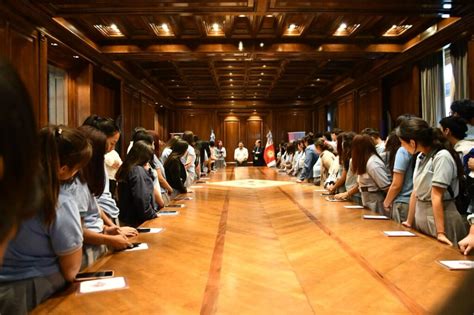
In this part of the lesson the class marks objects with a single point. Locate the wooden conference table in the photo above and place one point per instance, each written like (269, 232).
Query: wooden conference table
(277, 250)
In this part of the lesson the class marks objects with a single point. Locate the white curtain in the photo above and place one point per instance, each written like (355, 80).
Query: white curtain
(432, 95)
(458, 53)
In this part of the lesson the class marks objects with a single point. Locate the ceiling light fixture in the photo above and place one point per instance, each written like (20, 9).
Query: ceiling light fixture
(165, 27)
(215, 27)
(445, 16)
(447, 6)
(261, 73)
(241, 46)
(264, 66)
(292, 27)
(75, 57)
(230, 73)
(262, 44)
(343, 25)
(54, 44)
(269, 15)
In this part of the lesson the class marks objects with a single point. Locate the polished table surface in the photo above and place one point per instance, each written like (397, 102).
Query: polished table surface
(276, 250)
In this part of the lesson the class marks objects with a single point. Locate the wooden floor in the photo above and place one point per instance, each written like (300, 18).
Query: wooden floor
(277, 250)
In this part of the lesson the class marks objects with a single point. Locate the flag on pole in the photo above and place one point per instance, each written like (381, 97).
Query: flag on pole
(213, 136)
(269, 153)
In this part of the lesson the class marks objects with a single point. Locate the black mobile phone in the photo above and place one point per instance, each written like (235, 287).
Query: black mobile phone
(143, 230)
(82, 276)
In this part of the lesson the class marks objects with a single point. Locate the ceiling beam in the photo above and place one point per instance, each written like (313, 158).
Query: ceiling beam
(212, 49)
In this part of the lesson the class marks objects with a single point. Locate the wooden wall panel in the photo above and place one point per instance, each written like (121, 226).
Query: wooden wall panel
(253, 131)
(345, 113)
(369, 109)
(291, 120)
(402, 92)
(232, 129)
(198, 121)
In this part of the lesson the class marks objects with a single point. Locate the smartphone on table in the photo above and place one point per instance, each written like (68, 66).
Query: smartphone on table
(83, 276)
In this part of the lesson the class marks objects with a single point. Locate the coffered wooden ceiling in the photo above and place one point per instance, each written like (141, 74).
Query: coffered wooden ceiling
(267, 50)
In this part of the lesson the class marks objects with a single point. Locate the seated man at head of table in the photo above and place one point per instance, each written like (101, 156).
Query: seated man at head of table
(241, 155)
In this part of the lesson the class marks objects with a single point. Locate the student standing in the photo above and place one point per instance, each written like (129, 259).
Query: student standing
(432, 209)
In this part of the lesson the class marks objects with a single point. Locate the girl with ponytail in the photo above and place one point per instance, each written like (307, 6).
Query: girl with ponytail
(47, 250)
(436, 182)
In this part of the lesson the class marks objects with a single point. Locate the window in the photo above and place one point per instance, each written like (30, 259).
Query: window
(57, 96)
(448, 82)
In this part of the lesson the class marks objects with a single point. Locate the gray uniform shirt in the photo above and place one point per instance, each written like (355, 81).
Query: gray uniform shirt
(377, 176)
(435, 170)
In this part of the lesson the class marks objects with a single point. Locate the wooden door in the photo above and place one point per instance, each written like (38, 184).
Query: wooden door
(231, 136)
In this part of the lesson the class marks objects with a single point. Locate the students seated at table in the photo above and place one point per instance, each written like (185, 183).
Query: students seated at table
(309, 160)
(287, 158)
(18, 156)
(298, 159)
(154, 168)
(174, 168)
(165, 189)
(100, 232)
(168, 148)
(373, 176)
(327, 157)
(257, 154)
(336, 179)
(109, 127)
(436, 182)
(241, 155)
(135, 186)
(375, 136)
(46, 252)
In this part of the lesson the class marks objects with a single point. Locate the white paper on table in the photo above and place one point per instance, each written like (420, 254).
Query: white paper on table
(375, 217)
(185, 198)
(167, 213)
(204, 178)
(320, 190)
(334, 200)
(354, 207)
(141, 246)
(155, 230)
(457, 264)
(102, 285)
(194, 187)
(399, 233)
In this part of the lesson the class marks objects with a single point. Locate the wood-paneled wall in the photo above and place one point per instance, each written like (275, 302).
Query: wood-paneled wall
(23, 46)
(470, 67)
(242, 125)
(402, 92)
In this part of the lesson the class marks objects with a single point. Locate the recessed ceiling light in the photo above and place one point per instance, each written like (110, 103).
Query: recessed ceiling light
(241, 46)
(188, 97)
(264, 66)
(215, 27)
(231, 84)
(343, 25)
(165, 27)
(269, 15)
(258, 84)
(231, 80)
(447, 6)
(54, 44)
(177, 85)
(230, 73)
(312, 84)
(114, 27)
(445, 16)
(75, 57)
(259, 79)
(292, 27)
(242, 15)
(262, 44)
(318, 79)
(261, 73)
(161, 106)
